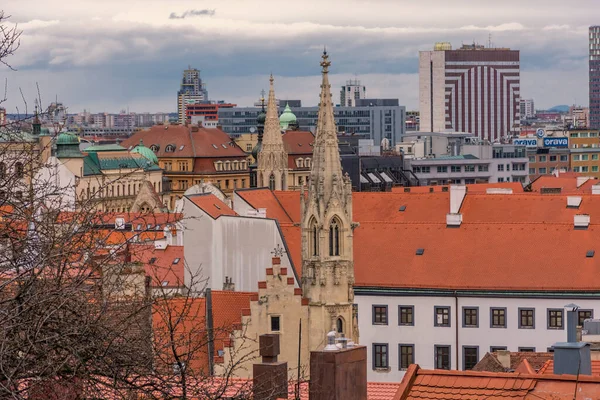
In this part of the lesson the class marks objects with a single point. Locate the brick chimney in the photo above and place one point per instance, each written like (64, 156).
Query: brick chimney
(339, 374)
(270, 376)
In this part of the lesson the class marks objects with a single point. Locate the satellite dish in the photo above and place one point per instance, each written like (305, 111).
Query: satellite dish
(252, 130)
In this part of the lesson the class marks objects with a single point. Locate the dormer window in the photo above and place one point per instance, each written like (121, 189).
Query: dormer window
(243, 165)
(227, 166)
(170, 148)
(154, 148)
(219, 165)
(300, 163)
(307, 162)
(235, 165)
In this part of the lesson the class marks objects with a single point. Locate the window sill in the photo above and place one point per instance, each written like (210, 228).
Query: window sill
(442, 326)
(498, 327)
(527, 327)
(381, 369)
(406, 324)
(470, 326)
(555, 328)
(380, 323)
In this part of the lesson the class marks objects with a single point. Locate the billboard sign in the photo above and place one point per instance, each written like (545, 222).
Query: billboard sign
(556, 142)
(525, 142)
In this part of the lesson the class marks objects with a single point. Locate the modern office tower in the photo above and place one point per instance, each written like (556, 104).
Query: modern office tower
(192, 91)
(351, 92)
(595, 77)
(527, 108)
(473, 89)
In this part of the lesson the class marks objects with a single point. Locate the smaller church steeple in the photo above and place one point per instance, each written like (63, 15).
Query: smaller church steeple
(272, 158)
(36, 125)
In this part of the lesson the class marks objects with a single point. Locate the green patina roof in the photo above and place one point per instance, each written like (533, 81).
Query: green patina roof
(287, 117)
(145, 152)
(93, 165)
(67, 138)
(20, 136)
(104, 147)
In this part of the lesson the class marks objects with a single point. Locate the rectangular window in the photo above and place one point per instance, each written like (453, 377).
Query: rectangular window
(500, 167)
(498, 318)
(526, 318)
(455, 168)
(576, 157)
(483, 168)
(585, 157)
(470, 357)
(542, 170)
(531, 171)
(564, 158)
(275, 323)
(542, 158)
(552, 158)
(380, 315)
(426, 170)
(500, 179)
(527, 349)
(407, 355)
(470, 317)
(575, 169)
(594, 168)
(442, 357)
(555, 318)
(594, 157)
(380, 356)
(442, 316)
(494, 349)
(532, 159)
(582, 315)
(442, 169)
(584, 168)
(469, 168)
(406, 315)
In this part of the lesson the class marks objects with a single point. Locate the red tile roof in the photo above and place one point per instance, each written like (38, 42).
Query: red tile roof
(473, 188)
(196, 142)
(419, 207)
(548, 368)
(525, 368)
(568, 184)
(438, 384)
(164, 266)
(298, 142)
(211, 205)
(264, 198)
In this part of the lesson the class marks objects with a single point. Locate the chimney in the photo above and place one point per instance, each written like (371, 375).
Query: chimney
(168, 235)
(581, 180)
(229, 286)
(339, 374)
(453, 220)
(581, 221)
(498, 191)
(269, 380)
(503, 357)
(572, 357)
(596, 189)
(457, 195)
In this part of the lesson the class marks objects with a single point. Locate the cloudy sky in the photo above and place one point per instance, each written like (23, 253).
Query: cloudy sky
(107, 55)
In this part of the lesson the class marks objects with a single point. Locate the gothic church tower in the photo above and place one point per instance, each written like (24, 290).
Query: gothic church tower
(327, 231)
(272, 168)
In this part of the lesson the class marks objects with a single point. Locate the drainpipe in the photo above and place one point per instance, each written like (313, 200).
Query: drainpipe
(456, 326)
(209, 331)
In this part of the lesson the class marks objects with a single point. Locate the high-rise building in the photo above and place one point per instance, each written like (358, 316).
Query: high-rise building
(192, 91)
(527, 108)
(2, 116)
(351, 92)
(595, 77)
(473, 89)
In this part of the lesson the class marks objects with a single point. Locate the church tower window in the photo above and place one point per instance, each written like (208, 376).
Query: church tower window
(314, 239)
(334, 238)
(339, 325)
(272, 182)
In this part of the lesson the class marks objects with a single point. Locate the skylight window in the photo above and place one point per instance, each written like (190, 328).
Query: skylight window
(590, 253)
(176, 261)
(402, 208)
(181, 147)
(218, 208)
(215, 146)
(165, 283)
(224, 146)
(157, 227)
(420, 252)
(152, 260)
(149, 226)
(138, 227)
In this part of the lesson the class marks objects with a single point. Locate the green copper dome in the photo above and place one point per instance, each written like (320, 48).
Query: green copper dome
(287, 118)
(145, 152)
(67, 138)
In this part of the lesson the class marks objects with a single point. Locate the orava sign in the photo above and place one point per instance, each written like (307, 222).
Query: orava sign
(556, 142)
(525, 142)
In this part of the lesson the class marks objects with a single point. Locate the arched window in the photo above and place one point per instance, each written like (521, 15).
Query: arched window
(170, 148)
(334, 238)
(272, 182)
(155, 148)
(314, 239)
(339, 325)
(19, 169)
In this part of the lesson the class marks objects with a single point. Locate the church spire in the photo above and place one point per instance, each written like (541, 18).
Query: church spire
(326, 174)
(272, 158)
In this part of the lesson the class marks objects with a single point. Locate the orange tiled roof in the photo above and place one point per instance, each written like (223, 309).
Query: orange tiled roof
(419, 207)
(425, 384)
(548, 368)
(211, 205)
(293, 240)
(472, 188)
(164, 266)
(524, 368)
(264, 198)
(568, 183)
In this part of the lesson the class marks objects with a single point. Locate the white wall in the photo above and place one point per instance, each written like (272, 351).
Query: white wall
(425, 336)
(58, 183)
(237, 247)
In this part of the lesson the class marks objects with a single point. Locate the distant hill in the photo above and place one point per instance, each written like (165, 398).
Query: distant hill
(561, 108)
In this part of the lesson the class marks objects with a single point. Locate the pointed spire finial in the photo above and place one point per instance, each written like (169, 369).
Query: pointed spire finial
(271, 79)
(325, 63)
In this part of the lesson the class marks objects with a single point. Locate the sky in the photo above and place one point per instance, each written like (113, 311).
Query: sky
(108, 55)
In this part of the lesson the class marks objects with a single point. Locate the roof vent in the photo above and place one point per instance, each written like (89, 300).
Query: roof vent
(430, 190)
(420, 252)
(550, 190)
(596, 189)
(581, 221)
(444, 188)
(590, 253)
(406, 190)
(573, 201)
(402, 208)
(453, 220)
